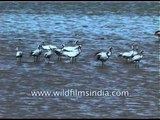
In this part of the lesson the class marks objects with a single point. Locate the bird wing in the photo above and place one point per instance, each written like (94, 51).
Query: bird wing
(70, 48)
(19, 53)
(137, 57)
(71, 54)
(47, 47)
(52, 46)
(127, 54)
(36, 52)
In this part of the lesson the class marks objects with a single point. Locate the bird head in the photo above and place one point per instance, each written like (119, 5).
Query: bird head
(79, 46)
(43, 43)
(110, 49)
(17, 48)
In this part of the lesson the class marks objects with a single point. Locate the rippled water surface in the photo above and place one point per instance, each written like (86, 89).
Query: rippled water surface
(97, 25)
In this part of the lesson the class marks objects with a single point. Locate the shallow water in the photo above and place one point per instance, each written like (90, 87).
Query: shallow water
(99, 25)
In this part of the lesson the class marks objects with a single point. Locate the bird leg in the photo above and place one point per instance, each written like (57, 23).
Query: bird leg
(102, 63)
(126, 60)
(71, 60)
(17, 59)
(138, 64)
(36, 58)
(48, 60)
(75, 59)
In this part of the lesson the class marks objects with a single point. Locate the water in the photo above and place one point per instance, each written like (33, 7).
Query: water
(99, 25)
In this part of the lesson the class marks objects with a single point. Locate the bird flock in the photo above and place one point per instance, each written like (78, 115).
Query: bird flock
(72, 52)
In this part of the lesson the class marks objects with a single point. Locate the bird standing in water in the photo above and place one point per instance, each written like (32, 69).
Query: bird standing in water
(48, 55)
(128, 55)
(137, 58)
(72, 54)
(104, 56)
(19, 54)
(36, 53)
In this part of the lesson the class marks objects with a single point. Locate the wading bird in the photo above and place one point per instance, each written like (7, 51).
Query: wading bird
(36, 53)
(19, 54)
(137, 58)
(130, 54)
(48, 55)
(104, 56)
(72, 54)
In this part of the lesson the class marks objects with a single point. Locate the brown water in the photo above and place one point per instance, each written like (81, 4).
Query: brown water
(99, 26)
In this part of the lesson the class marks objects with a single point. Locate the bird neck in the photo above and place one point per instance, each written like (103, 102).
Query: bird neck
(39, 47)
(110, 51)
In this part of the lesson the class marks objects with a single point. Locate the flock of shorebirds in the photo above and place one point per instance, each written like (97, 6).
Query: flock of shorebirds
(74, 51)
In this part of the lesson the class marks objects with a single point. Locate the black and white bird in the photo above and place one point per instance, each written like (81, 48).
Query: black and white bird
(36, 53)
(72, 54)
(104, 56)
(48, 47)
(130, 54)
(19, 54)
(137, 58)
(48, 55)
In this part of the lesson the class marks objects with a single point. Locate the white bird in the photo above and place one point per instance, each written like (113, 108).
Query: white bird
(19, 54)
(137, 58)
(72, 54)
(130, 54)
(104, 56)
(36, 53)
(48, 55)
(48, 47)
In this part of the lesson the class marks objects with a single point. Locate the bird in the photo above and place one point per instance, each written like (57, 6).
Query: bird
(48, 55)
(130, 54)
(19, 54)
(72, 54)
(104, 56)
(137, 58)
(48, 47)
(157, 33)
(36, 53)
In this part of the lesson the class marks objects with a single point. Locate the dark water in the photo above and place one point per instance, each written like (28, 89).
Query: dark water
(99, 25)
